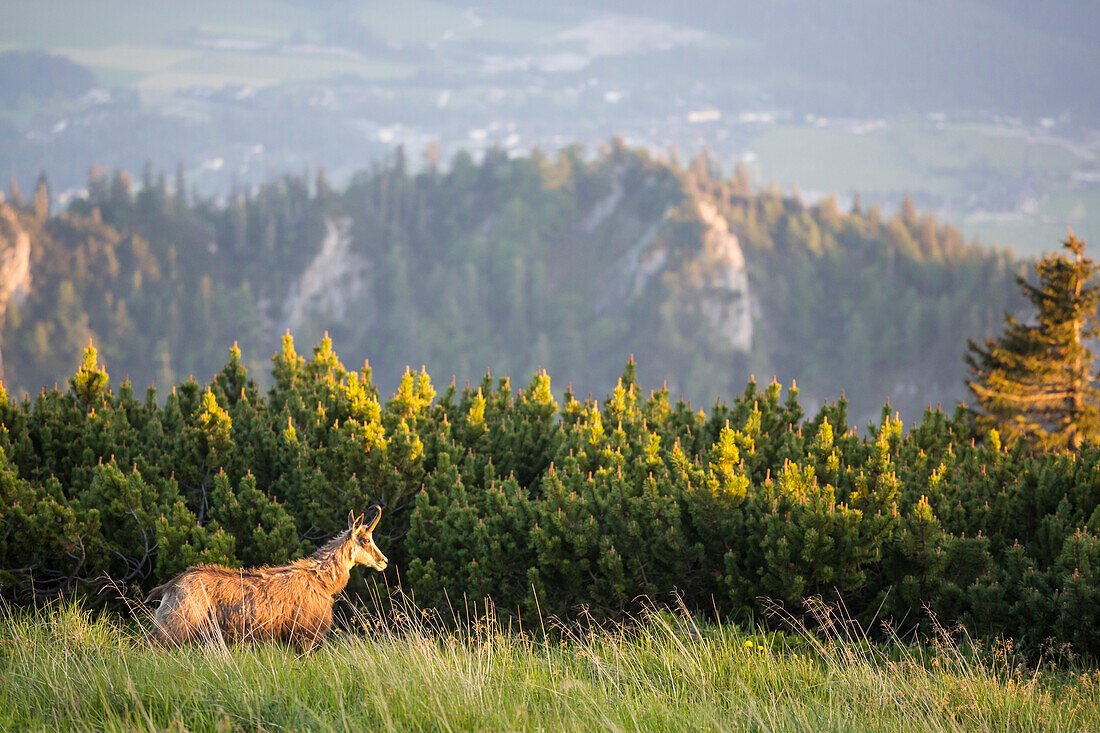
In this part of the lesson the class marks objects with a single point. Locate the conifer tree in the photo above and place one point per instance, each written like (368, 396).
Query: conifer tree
(89, 384)
(42, 198)
(17, 195)
(1034, 382)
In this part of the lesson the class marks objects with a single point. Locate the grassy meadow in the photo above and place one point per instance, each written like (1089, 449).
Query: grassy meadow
(64, 669)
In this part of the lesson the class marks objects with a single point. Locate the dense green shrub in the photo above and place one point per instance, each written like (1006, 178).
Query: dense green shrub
(577, 508)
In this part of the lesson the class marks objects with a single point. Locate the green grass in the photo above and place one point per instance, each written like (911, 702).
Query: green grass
(64, 669)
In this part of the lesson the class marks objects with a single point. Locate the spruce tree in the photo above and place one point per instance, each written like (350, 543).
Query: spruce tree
(42, 198)
(1035, 382)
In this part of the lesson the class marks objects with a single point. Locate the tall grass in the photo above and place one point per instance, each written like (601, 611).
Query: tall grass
(63, 668)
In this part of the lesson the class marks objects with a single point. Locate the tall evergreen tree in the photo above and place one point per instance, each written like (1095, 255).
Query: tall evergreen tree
(42, 198)
(1035, 382)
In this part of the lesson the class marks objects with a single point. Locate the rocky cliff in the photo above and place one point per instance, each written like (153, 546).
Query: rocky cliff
(724, 294)
(15, 265)
(334, 279)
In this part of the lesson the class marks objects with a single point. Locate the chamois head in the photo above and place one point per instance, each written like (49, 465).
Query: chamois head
(363, 551)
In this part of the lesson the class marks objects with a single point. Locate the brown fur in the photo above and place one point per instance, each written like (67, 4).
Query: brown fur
(291, 603)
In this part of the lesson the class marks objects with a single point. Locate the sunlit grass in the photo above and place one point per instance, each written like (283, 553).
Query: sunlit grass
(62, 668)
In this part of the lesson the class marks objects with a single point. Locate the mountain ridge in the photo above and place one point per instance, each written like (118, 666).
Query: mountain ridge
(512, 264)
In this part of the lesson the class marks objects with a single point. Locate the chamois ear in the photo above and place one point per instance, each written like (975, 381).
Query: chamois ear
(378, 516)
(351, 519)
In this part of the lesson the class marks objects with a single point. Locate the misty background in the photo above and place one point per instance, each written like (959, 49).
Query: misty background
(982, 112)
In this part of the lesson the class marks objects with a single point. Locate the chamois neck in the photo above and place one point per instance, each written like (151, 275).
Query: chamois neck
(332, 564)
(336, 578)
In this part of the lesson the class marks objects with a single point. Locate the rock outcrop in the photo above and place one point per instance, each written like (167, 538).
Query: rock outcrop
(331, 283)
(715, 273)
(724, 296)
(15, 265)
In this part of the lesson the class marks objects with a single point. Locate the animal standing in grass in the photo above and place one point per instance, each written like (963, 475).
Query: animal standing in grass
(290, 603)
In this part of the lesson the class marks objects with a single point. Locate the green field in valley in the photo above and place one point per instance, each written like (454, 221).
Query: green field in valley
(162, 50)
(947, 165)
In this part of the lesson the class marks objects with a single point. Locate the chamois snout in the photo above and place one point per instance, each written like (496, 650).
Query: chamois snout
(381, 563)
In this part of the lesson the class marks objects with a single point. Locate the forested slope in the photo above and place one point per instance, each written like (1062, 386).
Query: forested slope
(566, 262)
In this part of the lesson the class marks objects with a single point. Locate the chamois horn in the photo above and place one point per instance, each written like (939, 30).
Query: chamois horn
(377, 517)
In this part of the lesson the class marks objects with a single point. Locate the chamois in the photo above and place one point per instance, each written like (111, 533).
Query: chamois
(290, 603)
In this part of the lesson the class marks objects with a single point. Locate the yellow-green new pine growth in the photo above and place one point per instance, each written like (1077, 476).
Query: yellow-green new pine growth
(771, 394)
(370, 435)
(414, 393)
(679, 459)
(889, 435)
(617, 441)
(360, 403)
(923, 510)
(573, 411)
(652, 449)
(797, 482)
(727, 476)
(824, 440)
(622, 400)
(325, 364)
(594, 425)
(994, 440)
(90, 381)
(826, 452)
(288, 365)
(476, 414)
(747, 438)
(877, 492)
(890, 430)
(475, 417)
(290, 435)
(540, 392)
(216, 425)
(935, 479)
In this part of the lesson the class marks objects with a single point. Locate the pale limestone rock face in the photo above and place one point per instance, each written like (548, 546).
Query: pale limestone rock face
(331, 283)
(724, 296)
(15, 261)
(632, 271)
(603, 208)
(15, 264)
(714, 274)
